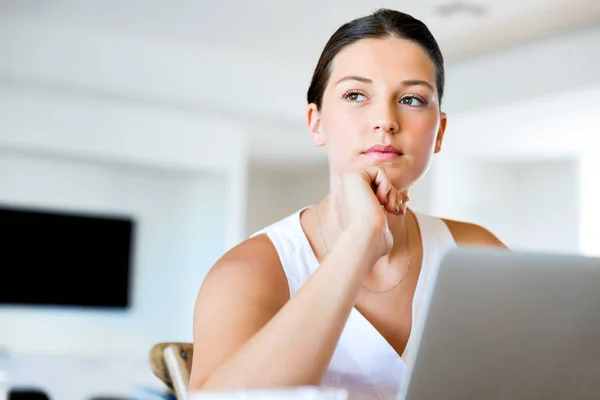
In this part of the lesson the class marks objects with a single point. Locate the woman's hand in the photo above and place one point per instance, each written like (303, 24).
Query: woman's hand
(362, 203)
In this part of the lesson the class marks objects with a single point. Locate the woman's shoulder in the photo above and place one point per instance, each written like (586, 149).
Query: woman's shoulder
(256, 261)
(463, 233)
(250, 269)
(470, 234)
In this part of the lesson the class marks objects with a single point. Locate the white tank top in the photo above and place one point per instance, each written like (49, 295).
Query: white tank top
(364, 363)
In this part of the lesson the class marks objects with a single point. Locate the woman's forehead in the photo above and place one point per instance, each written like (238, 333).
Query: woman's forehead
(388, 58)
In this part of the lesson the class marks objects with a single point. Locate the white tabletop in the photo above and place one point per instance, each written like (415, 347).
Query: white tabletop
(300, 393)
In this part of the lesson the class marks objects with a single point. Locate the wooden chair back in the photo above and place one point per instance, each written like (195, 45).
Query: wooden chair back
(171, 362)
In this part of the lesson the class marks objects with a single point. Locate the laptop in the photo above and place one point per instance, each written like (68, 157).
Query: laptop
(510, 325)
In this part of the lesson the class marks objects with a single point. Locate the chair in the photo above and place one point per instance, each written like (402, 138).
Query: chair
(171, 362)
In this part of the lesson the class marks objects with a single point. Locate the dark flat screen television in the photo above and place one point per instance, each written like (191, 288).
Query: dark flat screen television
(65, 259)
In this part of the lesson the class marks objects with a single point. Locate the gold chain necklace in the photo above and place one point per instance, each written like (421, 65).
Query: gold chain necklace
(369, 289)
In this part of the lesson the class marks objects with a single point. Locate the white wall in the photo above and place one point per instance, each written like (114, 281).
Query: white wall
(420, 194)
(529, 205)
(589, 183)
(466, 190)
(548, 195)
(274, 193)
(562, 62)
(34, 118)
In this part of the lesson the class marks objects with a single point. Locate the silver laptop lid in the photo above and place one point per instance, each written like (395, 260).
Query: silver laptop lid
(511, 325)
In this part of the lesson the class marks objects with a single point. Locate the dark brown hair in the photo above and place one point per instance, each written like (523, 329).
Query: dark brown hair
(380, 24)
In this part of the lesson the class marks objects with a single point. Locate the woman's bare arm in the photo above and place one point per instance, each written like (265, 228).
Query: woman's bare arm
(248, 333)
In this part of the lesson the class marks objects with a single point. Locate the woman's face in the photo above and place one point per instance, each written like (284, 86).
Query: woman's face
(380, 107)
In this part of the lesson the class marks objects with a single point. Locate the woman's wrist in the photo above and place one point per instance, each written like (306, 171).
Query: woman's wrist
(361, 243)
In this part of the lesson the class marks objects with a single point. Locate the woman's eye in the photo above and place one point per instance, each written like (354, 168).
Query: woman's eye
(412, 101)
(354, 97)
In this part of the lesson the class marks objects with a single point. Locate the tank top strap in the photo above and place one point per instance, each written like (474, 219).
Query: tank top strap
(436, 236)
(295, 253)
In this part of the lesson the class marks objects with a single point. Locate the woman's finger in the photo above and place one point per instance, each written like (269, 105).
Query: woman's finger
(391, 205)
(379, 181)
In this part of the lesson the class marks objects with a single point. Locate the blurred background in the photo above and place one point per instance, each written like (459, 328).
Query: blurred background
(182, 123)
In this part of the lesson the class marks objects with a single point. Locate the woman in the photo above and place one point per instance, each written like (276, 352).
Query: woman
(331, 294)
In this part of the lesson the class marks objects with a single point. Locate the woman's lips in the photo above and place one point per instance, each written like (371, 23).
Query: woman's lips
(383, 153)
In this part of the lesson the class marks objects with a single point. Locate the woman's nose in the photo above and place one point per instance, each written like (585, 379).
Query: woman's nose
(386, 121)
(386, 126)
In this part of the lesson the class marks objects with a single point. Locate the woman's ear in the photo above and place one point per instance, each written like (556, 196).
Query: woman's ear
(440, 135)
(314, 125)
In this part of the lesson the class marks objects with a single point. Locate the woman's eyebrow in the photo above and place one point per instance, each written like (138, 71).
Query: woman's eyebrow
(354, 78)
(418, 82)
(408, 82)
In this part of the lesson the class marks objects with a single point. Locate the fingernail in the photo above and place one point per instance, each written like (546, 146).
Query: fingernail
(397, 211)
